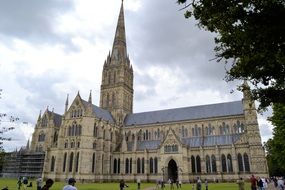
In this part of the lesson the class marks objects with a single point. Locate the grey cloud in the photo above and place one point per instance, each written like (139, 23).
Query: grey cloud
(266, 132)
(147, 81)
(159, 35)
(33, 20)
(41, 92)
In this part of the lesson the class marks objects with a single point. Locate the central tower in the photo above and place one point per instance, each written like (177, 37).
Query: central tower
(117, 76)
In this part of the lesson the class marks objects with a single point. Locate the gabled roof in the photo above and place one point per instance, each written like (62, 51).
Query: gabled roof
(57, 119)
(99, 112)
(186, 113)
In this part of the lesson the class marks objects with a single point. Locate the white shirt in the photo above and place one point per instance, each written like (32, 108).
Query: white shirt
(69, 187)
(39, 182)
(280, 183)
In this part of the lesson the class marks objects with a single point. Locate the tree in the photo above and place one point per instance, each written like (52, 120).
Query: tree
(276, 146)
(3, 130)
(4, 118)
(274, 167)
(250, 40)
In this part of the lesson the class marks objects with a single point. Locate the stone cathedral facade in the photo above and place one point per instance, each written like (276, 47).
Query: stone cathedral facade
(109, 142)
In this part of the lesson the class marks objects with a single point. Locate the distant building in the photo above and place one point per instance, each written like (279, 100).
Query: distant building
(110, 142)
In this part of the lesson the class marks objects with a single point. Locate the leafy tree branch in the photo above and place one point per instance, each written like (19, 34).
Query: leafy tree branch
(250, 40)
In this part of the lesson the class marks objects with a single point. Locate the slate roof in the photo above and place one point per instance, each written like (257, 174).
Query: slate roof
(141, 145)
(57, 118)
(186, 113)
(211, 140)
(100, 113)
(191, 141)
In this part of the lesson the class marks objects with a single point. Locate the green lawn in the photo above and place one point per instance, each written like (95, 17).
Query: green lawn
(12, 185)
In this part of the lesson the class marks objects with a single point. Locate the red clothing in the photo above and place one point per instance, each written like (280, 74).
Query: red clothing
(253, 181)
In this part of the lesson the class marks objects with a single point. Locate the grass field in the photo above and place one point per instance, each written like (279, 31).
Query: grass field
(12, 185)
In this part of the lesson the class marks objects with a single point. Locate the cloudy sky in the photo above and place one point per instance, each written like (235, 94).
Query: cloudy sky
(52, 48)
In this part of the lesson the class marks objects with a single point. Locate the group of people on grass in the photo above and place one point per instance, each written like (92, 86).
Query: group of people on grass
(23, 181)
(49, 182)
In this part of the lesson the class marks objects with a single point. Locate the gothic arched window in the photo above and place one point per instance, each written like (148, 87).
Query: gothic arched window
(229, 163)
(240, 162)
(55, 137)
(151, 165)
(155, 165)
(138, 165)
(102, 160)
(64, 162)
(214, 166)
(115, 166)
(127, 166)
(95, 130)
(193, 164)
(143, 165)
(224, 164)
(70, 162)
(44, 121)
(41, 137)
(77, 162)
(93, 163)
(246, 162)
(131, 168)
(119, 165)
(198, 162)
(208, 164)
(52, 165)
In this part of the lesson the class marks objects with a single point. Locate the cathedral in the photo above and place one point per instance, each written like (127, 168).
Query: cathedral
(109, 142)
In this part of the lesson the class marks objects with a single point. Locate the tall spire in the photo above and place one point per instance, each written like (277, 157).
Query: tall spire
(119, 51)
(117, 76)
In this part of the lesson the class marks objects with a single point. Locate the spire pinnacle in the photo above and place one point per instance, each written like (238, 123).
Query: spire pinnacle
(246, 89)
(119, 51)
(28, 145)
(90, 97)
(40, 115)
(66, 103)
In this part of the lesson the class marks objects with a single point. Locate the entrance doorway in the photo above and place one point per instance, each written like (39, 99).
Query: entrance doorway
(172, 170)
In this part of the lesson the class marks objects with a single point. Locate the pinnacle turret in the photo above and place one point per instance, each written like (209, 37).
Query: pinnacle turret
(40, 115)
(66, 103)
(90, 97)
